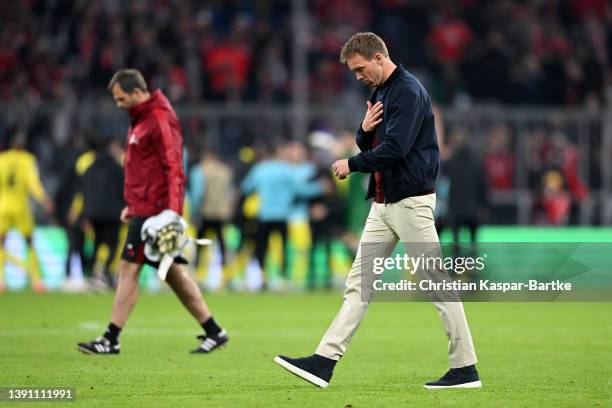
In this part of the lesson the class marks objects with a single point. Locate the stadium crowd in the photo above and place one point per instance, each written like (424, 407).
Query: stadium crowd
(517, 52)
(56, 58)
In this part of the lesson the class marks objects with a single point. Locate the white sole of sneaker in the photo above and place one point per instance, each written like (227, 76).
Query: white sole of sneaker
(201, 351)
(305, 375)
(473, 384)
(84, 350)
(87, 351)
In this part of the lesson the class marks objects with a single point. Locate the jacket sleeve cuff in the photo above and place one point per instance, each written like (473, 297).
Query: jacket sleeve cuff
(352, 163)
(365, 132)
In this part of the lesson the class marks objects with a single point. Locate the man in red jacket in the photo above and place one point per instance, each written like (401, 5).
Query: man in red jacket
(154, 181)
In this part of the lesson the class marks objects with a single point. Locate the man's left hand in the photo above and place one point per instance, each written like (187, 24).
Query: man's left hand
(341, 168)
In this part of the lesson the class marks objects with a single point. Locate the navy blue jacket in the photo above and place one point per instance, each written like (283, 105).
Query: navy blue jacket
(407, 154)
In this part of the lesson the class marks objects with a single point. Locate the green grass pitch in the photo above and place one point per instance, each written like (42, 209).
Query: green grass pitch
(531, 354)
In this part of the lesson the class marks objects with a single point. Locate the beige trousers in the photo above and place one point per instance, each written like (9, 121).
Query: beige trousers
(411, 221)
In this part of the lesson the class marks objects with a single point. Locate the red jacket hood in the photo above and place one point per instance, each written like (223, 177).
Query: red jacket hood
(157, 101)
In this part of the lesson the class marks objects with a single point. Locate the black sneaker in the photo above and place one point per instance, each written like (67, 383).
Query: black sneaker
(212, 342)
(463, 377)
(101, 345)
(315, 369)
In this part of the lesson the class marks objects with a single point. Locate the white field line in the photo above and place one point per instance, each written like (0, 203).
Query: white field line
(97, 328)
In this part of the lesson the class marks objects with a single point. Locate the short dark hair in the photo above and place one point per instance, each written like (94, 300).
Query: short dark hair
(366, 44)
(95, 140)
(129, 80)
(16, 138)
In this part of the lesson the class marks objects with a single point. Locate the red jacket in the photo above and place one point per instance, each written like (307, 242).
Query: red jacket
(154, 176)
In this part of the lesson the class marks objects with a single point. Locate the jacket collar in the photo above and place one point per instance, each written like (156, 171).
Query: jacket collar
(155, 100)
(394, 75)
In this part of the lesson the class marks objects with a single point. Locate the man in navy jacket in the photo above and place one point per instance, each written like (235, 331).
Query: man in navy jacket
(397, 139)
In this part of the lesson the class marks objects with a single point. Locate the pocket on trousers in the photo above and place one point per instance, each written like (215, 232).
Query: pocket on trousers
(421, 210)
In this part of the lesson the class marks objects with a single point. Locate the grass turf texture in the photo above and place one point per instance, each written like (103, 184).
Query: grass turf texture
(531, 354)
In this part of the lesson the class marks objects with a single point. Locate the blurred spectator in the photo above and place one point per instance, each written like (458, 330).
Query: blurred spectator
(102, 189)
(563, 157)
(76, 227)
(212, 197)
(278, 187)
(20, 181)
(314, 214)
(326, 81)
(468, 195)
(554, 203)
(63, 198)
(228, 63)
(449, 38)
(441, 213)
(499, 159)
(272, 182)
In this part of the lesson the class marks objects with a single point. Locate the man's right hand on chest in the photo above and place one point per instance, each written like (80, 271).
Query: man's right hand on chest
(373, 116)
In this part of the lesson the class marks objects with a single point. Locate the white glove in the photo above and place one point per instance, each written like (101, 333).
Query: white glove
(164, 237)
(164, 234)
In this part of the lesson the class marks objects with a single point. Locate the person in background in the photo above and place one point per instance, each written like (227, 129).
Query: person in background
(212, 196)
(102, 189)
(19, 180)
(64, 197)
(278, 187)
(468, 194)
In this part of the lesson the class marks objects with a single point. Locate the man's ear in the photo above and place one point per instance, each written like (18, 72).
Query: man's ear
(378, 57)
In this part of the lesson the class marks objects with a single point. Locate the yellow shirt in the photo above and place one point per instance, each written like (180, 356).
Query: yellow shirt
(19, 180)
(84, 161)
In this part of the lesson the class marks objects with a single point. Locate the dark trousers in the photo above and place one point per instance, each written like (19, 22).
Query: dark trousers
(106, 232)
(321, 237)
(217, 227)
(469, 222)
(264, 229)
(472, 224)
(76, 245)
